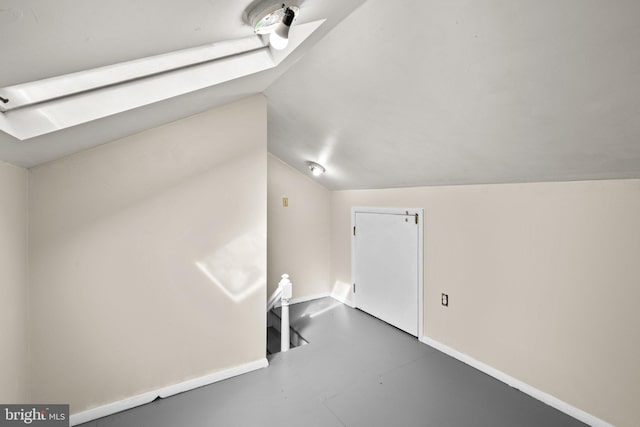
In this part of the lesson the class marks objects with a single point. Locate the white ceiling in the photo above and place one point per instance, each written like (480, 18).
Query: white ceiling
(426, 92)
(413, 92)
(44, 38)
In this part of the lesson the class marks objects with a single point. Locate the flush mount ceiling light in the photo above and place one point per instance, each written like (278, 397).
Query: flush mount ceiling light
(274, 19)
(315, 168)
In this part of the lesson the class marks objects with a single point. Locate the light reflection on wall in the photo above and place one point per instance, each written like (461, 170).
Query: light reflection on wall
(238, 268)
(342, 290)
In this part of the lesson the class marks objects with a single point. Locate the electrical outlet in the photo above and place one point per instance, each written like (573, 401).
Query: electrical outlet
(285, 202)
(445, 300)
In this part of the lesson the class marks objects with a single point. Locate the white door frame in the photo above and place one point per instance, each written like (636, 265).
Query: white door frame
(393, 211)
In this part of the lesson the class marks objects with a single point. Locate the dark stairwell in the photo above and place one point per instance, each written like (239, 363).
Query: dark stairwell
(273, 333)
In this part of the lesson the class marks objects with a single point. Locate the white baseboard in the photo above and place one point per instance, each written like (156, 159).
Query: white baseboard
(318, 296)
(111, 408)
(305, 299)
(212, 378)
(141, 399)
(540, 395)
(342, 300)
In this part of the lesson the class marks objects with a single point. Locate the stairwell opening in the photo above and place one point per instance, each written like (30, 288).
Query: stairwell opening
(274, 333)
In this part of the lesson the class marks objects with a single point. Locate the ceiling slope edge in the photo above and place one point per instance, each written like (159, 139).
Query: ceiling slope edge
(48, 105)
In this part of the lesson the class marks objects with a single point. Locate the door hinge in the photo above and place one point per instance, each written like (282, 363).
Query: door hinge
(354, 230)
(354, 288)
(416, 218)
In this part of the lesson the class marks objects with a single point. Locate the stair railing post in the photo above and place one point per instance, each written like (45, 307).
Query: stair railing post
(287, 293)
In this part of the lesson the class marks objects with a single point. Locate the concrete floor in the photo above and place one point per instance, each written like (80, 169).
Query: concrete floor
(355, 371)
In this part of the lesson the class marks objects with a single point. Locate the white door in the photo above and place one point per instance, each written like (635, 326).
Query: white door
(386, 270)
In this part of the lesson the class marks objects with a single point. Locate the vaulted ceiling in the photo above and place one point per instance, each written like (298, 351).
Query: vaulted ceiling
(427, 92)
(384, 94)
(43, 38)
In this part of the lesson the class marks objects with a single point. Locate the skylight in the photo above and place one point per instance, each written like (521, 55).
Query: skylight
(44, 106)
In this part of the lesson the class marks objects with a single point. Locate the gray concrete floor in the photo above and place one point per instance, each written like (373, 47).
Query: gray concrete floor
(355, 371)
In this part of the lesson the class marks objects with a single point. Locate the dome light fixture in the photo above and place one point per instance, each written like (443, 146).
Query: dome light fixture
(315, 168)
(274, 19)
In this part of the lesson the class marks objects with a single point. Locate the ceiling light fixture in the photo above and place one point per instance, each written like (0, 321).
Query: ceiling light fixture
(279, 39)
(274, 19)
(315, 168)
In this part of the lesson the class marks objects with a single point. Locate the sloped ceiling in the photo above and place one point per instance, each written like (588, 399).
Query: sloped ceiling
(44, 38)
(426, 92)
(385, 94)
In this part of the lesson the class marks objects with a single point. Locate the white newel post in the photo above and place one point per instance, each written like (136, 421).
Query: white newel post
(287, 293)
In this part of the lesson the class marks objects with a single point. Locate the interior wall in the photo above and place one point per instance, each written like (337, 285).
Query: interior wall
(542, 281)
(14, 353)
(148, 258)
(299, 235)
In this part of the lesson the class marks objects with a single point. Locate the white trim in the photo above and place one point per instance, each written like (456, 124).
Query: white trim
(353, 232)
(385, 210)
(318, 296)
(538, 394)
(420, 272)
(111, 408)
(342, 300)
(392, 211)
(144, 398)
(305, 299)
